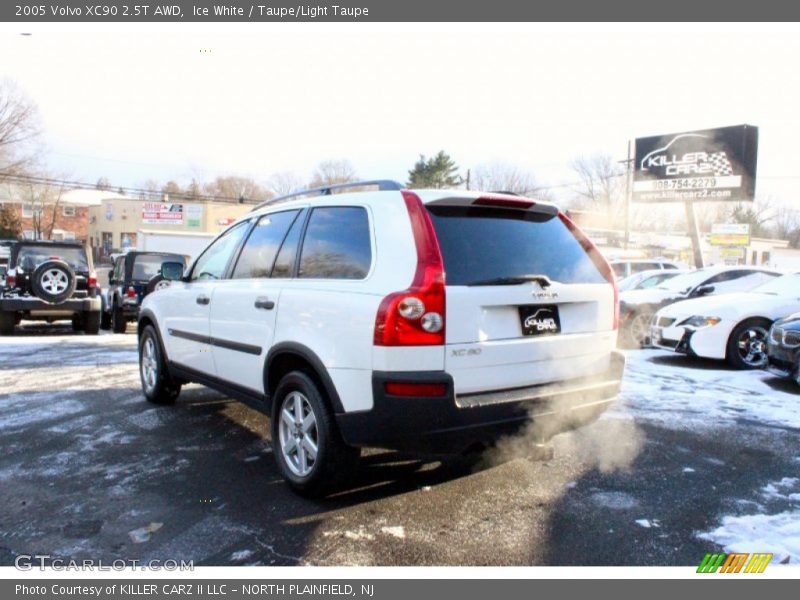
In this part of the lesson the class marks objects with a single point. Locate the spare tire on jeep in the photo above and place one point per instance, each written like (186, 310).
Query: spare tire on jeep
(53, 281)
(157, 282)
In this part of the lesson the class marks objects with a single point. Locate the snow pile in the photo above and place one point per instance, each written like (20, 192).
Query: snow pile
(777, 533)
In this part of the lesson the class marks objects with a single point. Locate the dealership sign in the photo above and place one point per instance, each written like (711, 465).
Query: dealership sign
(713, 164)
(730, 234)
(162, 213)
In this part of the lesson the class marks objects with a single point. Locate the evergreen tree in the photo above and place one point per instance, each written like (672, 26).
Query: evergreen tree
(437, 172)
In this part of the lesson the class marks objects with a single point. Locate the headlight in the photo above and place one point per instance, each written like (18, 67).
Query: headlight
(791, 338)
(698, 321)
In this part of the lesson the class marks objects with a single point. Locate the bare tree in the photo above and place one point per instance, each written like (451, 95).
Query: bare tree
(285, 182)
(504, 177)
(19, 128)
(331, 172)
(601, 185)
(234, 188)
(757, 214)
(44, 201)
(103, 184)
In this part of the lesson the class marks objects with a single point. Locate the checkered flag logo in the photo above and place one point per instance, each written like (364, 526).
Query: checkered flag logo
(722, 166)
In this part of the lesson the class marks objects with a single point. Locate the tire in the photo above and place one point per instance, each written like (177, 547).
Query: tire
(157, 385)
(53, 281)
(118, 322)
(157, 282)
(747, 344)
(301, 419)
(91, 323)
(636, 333)
(105, 320)
(7, 322)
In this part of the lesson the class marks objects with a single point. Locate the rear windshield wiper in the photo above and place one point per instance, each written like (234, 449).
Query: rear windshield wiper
(542, 280)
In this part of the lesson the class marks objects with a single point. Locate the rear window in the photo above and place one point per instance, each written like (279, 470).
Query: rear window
(30, 257)
(481, 244)
(147, 266)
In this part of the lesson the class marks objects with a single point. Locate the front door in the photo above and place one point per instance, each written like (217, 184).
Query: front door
(186, 320)
(244, 308)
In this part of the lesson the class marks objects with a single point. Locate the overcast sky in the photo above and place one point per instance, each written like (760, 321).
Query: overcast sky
(131, 104)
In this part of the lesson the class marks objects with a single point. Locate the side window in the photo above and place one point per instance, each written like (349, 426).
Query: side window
(119, 269)
(260, 249)
(737, 281)
(284, 264)
(336, 244)
(639, 267)
(212, 263)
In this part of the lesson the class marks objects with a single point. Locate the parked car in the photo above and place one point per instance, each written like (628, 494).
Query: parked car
(732, 327)
(333, 314)
(50, 281)
(783, 348)
(637, 307)
(5, 255)
(647, 279)
(134, 275)
(626, 267)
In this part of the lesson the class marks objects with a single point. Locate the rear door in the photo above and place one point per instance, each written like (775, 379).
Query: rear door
(244, 308)
(504, 331)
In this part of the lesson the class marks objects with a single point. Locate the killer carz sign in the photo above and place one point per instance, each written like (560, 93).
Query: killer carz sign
(706, 165)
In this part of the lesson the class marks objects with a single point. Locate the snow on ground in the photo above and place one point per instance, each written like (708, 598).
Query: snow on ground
(680, 392)
(683, 393)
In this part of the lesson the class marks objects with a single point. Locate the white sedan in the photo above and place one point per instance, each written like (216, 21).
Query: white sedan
(730, 327)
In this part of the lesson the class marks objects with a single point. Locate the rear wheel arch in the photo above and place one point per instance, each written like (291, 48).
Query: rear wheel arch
(286, 357)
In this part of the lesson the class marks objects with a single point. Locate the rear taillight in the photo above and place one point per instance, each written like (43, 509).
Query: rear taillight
(131, 293)
(11, 280)
(598, 259)
(92, 281)
(427, 390)
(416, 316)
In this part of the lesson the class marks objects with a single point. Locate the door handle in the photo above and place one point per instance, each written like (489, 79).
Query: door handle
(203, 299)
(265, 303)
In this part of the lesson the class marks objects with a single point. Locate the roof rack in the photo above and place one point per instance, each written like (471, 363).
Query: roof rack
(384, 185)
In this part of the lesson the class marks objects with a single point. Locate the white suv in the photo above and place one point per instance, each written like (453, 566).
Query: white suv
(419, 320)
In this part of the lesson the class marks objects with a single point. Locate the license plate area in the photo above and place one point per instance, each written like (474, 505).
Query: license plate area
(539, 319)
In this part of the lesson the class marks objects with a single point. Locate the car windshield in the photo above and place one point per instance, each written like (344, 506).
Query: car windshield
(788, 285)
(31, 257)
(681, 284)
(147, 266)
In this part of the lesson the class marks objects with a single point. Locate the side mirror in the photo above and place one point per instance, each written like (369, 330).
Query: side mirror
(704, 290)
(172, 271)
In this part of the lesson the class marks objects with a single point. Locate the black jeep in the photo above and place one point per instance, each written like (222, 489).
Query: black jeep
(135, 274)
(49, 281)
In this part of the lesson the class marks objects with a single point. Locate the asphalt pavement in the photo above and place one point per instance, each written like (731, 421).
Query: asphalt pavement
(91, 470)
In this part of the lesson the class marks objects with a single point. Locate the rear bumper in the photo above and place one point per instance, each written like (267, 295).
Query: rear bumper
(451, 424)
(35, 305)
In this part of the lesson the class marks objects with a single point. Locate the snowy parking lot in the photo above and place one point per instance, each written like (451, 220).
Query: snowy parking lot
(693, 458)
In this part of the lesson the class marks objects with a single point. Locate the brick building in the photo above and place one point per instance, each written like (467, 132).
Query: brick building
(62, 218)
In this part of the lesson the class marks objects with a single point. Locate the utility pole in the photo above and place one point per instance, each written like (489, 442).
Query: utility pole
(694, 233)
(628, 175)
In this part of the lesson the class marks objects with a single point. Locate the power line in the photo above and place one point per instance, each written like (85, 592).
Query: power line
(139, 191)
